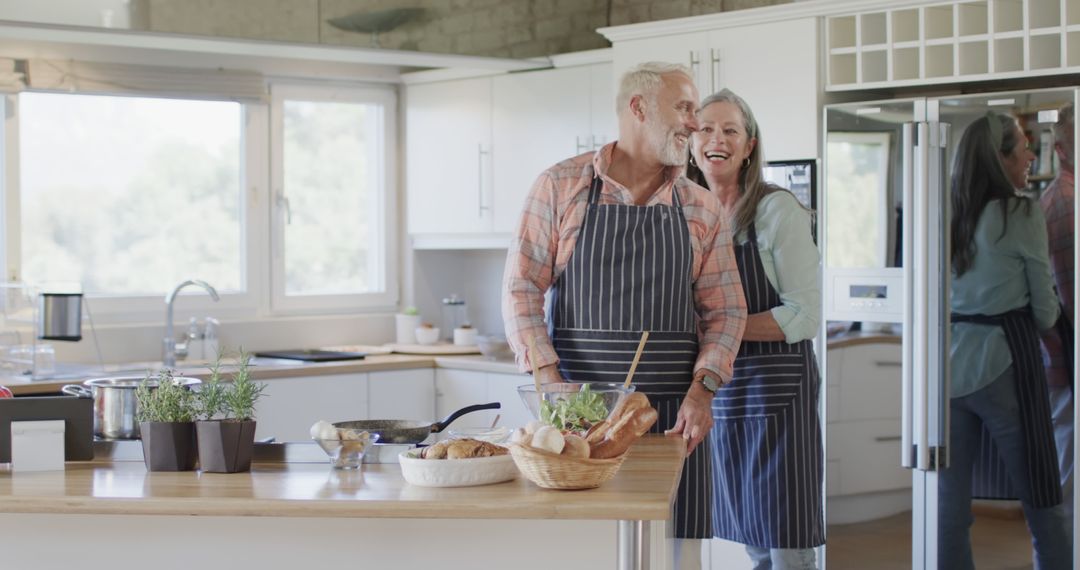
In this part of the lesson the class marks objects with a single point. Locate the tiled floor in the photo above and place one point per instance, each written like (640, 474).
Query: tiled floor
(885, 544)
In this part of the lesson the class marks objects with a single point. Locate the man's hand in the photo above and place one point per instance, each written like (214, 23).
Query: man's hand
(695, 416)
(549, 374)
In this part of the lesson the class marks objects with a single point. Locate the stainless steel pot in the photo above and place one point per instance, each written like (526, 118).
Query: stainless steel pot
(115, 405)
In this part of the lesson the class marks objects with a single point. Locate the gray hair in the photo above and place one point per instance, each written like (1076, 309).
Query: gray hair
(645, 79)
(752, 184)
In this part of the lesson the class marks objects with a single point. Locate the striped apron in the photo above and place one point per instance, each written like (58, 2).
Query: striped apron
(990, 479)
(766, 439)
(631, 272)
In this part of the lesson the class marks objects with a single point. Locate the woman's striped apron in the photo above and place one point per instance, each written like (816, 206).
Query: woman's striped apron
(767, 452)
(990, 479)
(631, 272)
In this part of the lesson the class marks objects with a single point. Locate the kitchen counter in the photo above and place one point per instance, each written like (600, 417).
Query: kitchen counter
(299, 506)
(286, 369)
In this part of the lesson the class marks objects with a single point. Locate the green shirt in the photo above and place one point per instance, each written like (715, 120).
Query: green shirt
(792, 263)
(1008, 273)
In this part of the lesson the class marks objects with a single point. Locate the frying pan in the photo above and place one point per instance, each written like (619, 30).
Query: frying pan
(408, 431)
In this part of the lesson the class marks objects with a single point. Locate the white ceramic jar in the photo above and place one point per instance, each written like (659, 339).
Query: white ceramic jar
(465, 336)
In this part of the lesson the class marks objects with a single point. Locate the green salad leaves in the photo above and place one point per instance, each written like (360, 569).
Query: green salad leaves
(574, 412)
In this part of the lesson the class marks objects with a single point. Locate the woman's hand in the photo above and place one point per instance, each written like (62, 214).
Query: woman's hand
(695, 416)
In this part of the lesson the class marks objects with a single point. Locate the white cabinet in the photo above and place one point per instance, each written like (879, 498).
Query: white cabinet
(539, 119)
(475, 146)
(456, 389)
(290, 405)
(863, 419)
(402, 395)
(772, 65)
(448, 156)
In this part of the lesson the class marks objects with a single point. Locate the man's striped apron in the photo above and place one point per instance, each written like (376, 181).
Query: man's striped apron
(631, 272)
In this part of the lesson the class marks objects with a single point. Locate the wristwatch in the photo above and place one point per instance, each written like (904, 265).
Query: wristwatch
(710, 382)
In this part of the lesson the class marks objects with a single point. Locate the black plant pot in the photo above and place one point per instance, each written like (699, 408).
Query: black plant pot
(225, 446)
(168, 446)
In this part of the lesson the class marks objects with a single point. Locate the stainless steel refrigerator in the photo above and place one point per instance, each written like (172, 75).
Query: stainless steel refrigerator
(884, 215)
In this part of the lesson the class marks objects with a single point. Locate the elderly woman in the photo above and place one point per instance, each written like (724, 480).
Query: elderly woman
(1002, 292)
(767, 451)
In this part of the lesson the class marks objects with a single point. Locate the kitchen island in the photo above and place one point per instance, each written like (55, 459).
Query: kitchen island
(283, 515)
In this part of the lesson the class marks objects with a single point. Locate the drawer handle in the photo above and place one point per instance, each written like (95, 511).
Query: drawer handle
(884, 438)
(888, 363)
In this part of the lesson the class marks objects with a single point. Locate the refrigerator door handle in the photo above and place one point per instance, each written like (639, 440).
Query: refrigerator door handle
(921, 293)
(907, 444)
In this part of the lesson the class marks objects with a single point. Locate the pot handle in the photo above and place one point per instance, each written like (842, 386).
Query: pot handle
(439, 426)
(77, 390)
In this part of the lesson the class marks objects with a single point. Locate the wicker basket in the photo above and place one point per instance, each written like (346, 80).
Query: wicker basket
(552, 471)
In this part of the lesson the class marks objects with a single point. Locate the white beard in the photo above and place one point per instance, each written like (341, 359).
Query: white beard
(662, 139)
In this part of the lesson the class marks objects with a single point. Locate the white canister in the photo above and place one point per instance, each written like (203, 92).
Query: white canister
(465, 336)
(405, 328)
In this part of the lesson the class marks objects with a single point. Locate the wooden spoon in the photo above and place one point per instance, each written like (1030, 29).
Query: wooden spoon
(637, 357)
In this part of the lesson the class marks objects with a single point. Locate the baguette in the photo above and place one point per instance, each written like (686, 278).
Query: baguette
(597, 432)
(630, 402)
(624, 433)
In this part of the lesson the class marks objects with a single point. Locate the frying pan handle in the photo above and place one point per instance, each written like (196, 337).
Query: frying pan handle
(439, 426)
(77, 390)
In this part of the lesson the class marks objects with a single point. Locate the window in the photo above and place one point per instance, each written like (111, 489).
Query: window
(130, 195)
(858, 187)
(330, 168)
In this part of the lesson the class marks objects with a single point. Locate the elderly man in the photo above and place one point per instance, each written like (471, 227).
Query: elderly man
(1057, 203)
(625, 243)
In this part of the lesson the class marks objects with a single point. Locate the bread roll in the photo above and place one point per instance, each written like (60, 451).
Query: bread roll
(437, 451)
(576, 446)
(549, 439)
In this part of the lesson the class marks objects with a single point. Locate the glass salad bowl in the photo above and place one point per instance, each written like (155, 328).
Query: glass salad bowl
(572, 406)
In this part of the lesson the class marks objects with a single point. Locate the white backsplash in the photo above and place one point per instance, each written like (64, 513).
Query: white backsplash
(474, 275)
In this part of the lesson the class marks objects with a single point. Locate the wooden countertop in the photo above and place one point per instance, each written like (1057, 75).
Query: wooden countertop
(643, 489)
(373, 363)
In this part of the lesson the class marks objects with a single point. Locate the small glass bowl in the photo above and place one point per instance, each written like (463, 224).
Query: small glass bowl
(489, 434)
(348, 453)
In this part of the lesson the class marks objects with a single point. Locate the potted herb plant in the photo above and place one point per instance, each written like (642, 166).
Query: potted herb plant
(166, 412)
(226, 425)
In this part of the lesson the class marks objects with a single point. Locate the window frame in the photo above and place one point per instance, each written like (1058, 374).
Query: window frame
(386, 200)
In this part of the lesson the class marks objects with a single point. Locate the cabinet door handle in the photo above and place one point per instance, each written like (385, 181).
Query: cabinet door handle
(480, 153)
(714, 81)
(695, 65)
(884, 438)
(584, 145)
(887, 364)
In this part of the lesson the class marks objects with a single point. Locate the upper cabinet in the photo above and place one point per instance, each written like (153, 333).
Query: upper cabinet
(772, 65)
(541, 118)
(448, 156)
(474, 147)
(952, 42)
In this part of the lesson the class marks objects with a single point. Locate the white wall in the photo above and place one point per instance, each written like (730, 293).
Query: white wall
(476, 277)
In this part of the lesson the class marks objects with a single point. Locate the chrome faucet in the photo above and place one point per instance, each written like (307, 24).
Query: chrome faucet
(169, 348)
